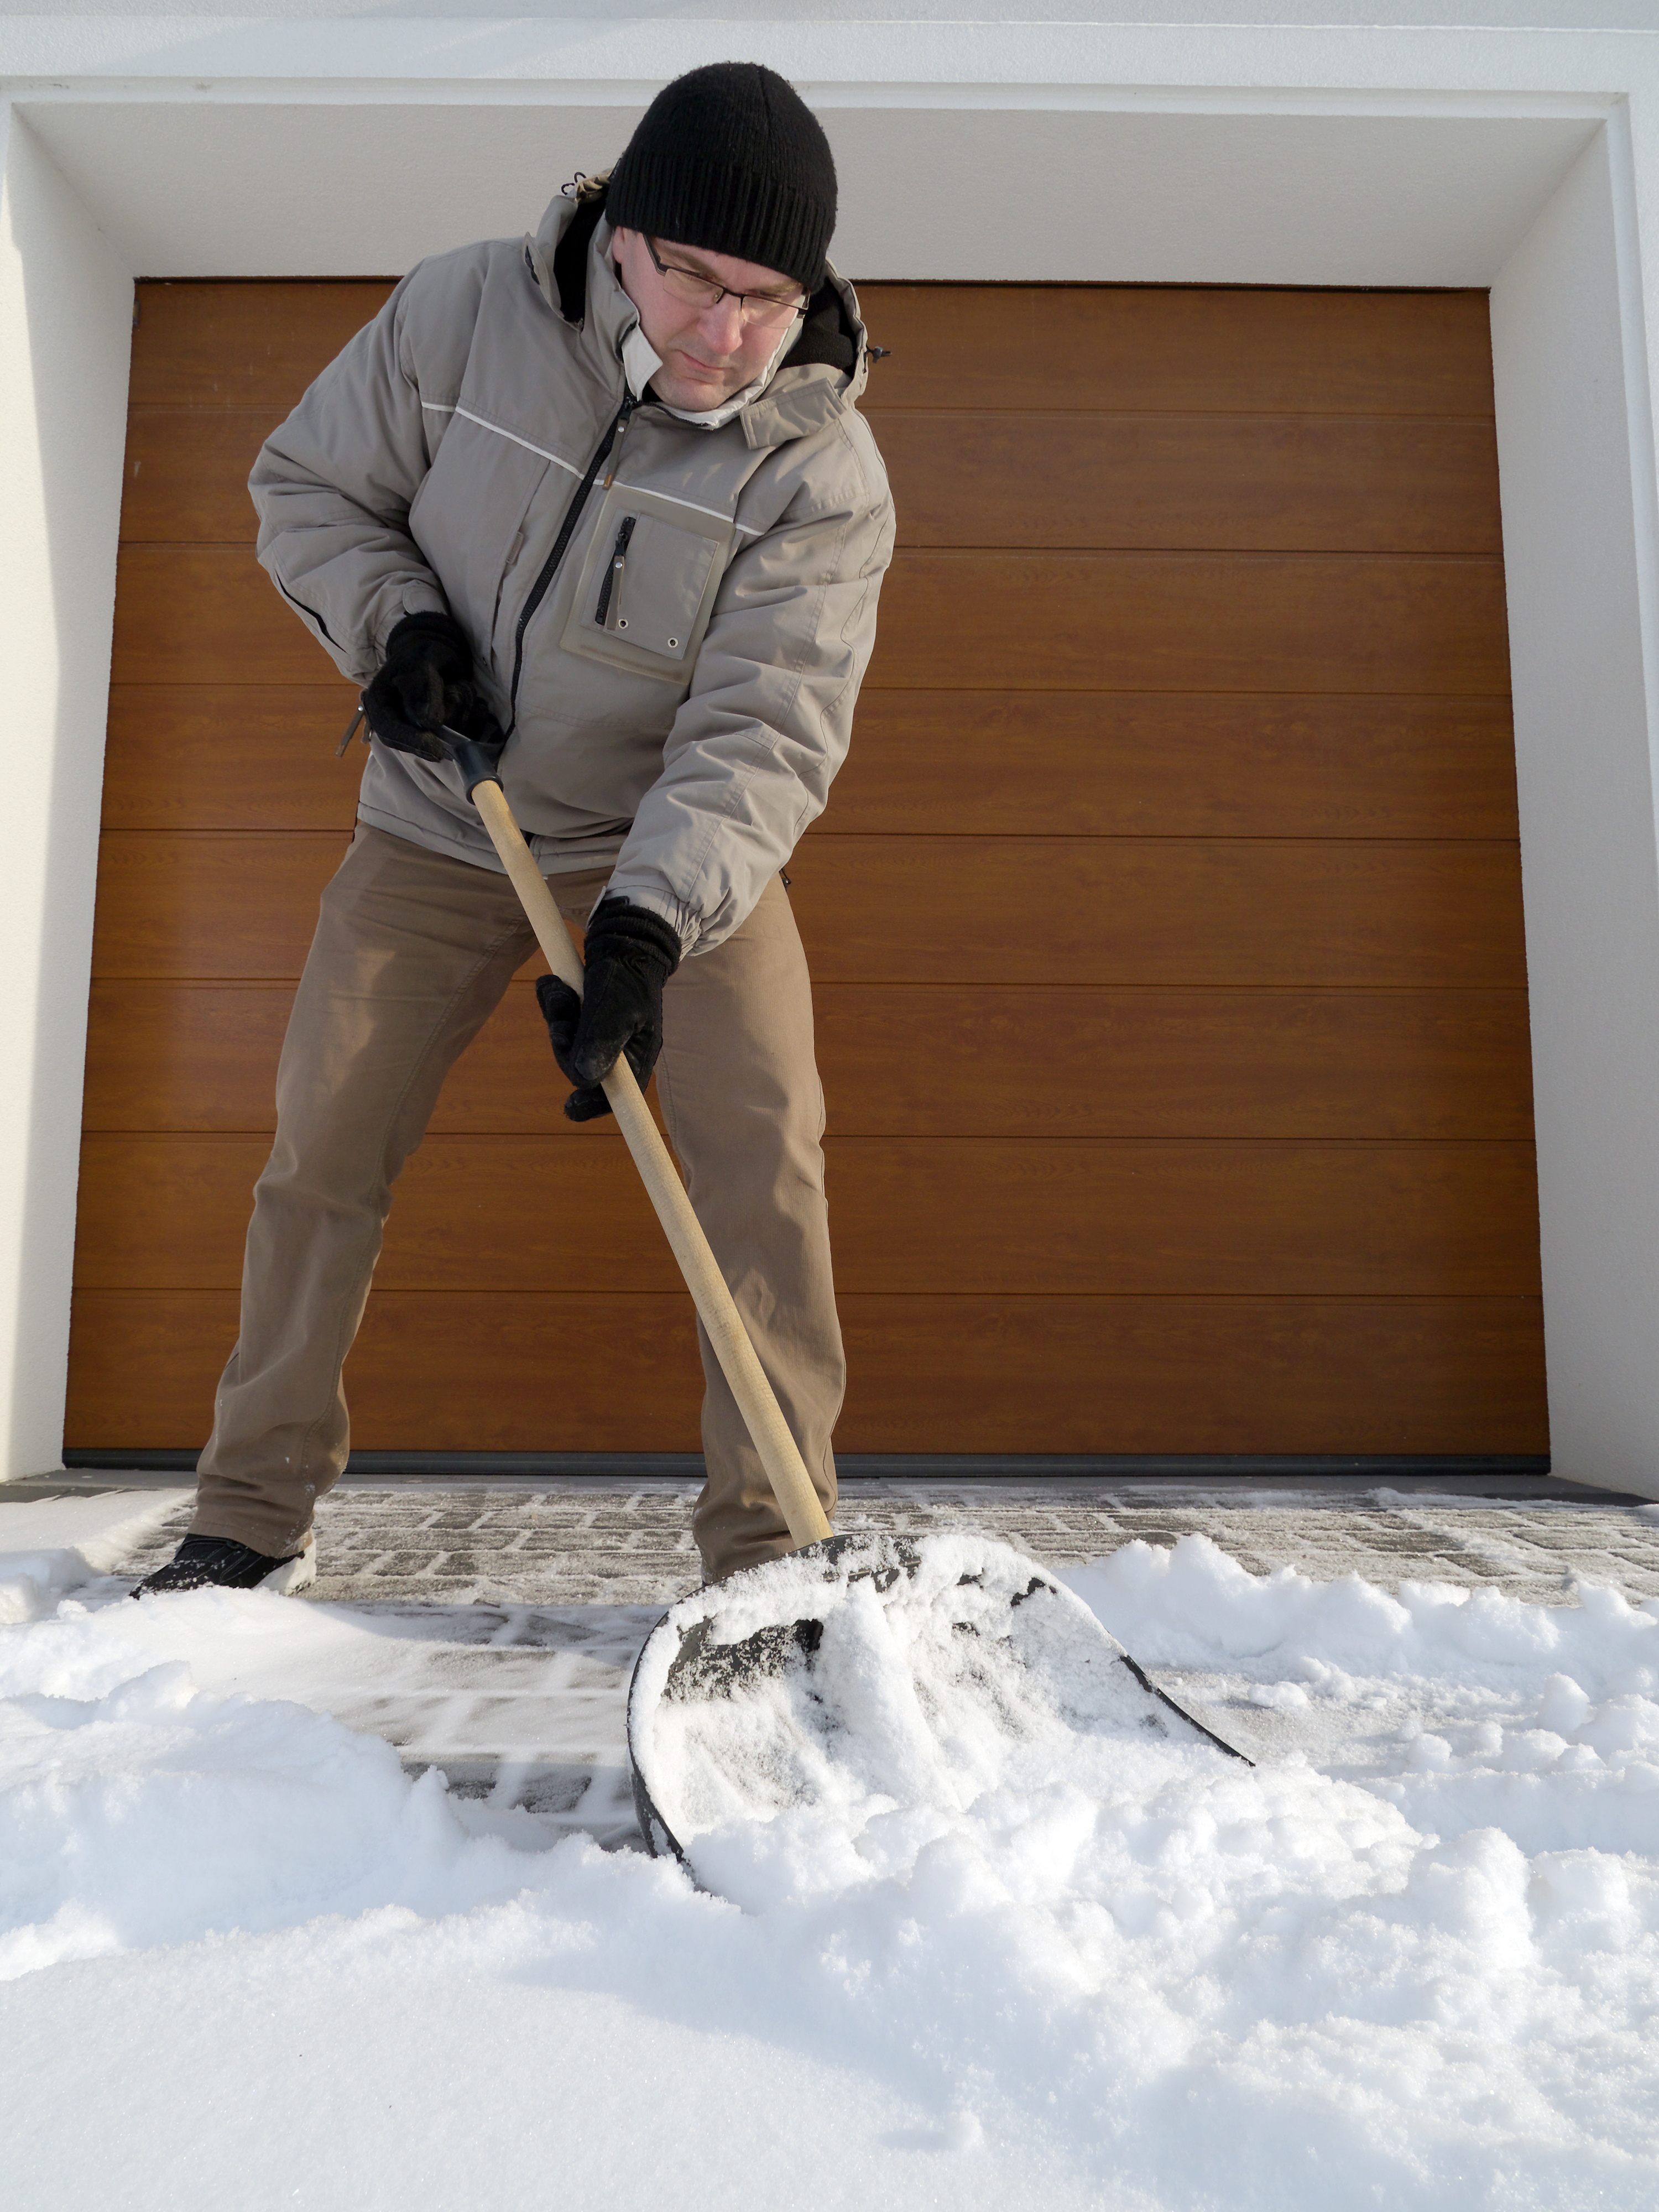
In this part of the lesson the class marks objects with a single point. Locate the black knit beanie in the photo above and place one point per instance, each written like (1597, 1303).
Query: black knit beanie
(731, 158)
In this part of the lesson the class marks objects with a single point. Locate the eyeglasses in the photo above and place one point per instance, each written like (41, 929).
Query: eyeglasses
(762, 309)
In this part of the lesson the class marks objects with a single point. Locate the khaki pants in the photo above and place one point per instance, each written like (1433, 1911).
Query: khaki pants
(413, 951)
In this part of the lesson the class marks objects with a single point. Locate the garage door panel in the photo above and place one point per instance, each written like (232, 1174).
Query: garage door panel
(1194, 1374)
(202, 1058)
(211, 610)
(535, 1372)
(1260, 482)
(1277, 1219)
(191, 1057)
(1160, 911)
(187, 473)
(197, 905)
(1252, 483)
(1192, 622)
(1003, 1216)
(1137, 1063)
(476, 1213)
(231, 345)
(1176, 764)
(233, 757)
(481, 1373)
(1161, 349)
(1061, 1060)
(1092, 910)
(144, 1366)
(1151, 622)
(428, 1372)
(988, 763)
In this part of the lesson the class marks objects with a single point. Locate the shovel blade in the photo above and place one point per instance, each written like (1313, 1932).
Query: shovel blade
(868, 1675)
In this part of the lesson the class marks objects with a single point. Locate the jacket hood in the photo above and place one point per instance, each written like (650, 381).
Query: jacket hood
(799, 398)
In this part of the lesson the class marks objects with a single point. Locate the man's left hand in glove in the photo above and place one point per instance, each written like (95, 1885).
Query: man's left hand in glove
(630, 955)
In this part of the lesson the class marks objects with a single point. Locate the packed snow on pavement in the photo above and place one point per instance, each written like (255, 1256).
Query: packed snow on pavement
(1410, 1959)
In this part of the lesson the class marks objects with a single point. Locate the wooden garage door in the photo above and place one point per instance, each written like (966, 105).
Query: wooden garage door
(1166, 921)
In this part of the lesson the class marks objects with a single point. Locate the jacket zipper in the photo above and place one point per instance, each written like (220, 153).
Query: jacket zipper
(566, 531)
(613, 574)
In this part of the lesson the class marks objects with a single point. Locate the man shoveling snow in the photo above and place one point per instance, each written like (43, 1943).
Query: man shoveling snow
(607, 490)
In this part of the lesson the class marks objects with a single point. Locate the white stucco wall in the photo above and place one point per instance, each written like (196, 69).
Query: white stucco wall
(66, 339)
(1349, 142)
(1579, 647)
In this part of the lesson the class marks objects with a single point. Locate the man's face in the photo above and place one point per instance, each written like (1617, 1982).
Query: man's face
(709, 353)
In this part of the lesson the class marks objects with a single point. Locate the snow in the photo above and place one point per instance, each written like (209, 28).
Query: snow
(56, 1544)
(943, 1678)
(1410, 1959)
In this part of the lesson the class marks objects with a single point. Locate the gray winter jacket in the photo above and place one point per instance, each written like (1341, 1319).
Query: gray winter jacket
(681, 715)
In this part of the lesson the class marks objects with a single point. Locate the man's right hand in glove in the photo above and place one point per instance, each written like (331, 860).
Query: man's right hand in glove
(424, 681)
(630, 954)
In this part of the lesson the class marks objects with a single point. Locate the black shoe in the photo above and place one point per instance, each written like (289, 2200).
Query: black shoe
(220, 1563)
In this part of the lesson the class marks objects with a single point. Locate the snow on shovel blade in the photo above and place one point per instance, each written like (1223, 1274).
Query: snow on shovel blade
(866, 1676)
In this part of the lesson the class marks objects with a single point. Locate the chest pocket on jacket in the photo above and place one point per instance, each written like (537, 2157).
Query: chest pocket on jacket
(647, 585)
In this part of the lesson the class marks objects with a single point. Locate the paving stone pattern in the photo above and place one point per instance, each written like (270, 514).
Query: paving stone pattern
(506, 1619)
(589, 1546)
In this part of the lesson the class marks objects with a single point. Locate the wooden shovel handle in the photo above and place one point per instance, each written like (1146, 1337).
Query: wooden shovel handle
(791, 1484)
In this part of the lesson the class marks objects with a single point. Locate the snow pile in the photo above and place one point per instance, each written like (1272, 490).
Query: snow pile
(1412, 1960)
(1541, 1722)
(55, 1545)
(138, 1811)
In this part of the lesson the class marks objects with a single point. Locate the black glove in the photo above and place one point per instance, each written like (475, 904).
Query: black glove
(630, 956)
(424, 681)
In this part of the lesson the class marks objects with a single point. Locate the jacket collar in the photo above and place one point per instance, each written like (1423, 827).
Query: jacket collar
(802, 399)
(608, 316)
(789, 402)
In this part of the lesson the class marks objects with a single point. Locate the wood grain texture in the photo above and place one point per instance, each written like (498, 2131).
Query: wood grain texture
(1015, 1217)
(192, 757)
(1249, 482)
(1174, 764)
(1136, 622)
(1190, 621)
(207, 614)
(916, 1215)
(1059, 1060)
(1160, 912)
(1185, 348)
(426, 1373)
(1113, 911)
(440, 1371)
(187, 473)
(948, 1060)
(977, 764)
(201, 905)
(243, 346)
(1389, 484)
(1194, 1374)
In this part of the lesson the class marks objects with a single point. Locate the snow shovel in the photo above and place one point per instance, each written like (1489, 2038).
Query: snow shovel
(856, 1672)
